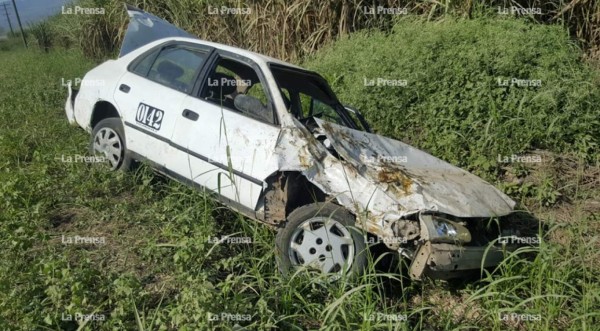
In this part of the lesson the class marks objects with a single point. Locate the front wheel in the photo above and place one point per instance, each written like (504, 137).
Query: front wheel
(108, 142)
(322, 237)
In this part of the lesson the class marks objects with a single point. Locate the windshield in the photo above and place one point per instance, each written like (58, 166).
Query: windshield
(307, 95)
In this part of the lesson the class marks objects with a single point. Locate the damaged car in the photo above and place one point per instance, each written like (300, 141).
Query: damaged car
(272, 141)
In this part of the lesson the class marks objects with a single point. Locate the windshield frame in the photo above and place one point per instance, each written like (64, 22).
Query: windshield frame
(321, 83)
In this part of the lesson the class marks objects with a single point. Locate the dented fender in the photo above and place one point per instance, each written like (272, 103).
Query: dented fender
(381, 180)
(298, 150)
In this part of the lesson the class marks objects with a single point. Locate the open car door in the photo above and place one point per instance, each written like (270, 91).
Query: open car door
(145, 28)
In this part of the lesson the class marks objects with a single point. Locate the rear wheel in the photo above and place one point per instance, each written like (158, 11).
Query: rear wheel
(108, 142)
(322, 237)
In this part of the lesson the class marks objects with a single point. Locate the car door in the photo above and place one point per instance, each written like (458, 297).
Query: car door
(150, 95)
(229, 131)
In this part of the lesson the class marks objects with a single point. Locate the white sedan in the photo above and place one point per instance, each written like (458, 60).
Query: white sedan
(272, 141)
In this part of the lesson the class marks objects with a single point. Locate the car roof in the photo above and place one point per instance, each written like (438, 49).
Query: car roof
(249, 54)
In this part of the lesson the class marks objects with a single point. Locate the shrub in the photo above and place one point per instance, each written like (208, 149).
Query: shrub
(43, 34)
(454, 104)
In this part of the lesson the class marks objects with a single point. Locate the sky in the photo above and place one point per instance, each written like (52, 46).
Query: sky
(31, 11)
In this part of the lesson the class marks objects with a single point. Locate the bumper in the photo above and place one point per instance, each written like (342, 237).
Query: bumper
(443, 261)
(70, 104)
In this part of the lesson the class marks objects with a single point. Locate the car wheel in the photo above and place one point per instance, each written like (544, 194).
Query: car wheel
(321, 236)
(108, 141)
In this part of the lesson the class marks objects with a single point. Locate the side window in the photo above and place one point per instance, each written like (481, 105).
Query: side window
(305, 102)
(175, 67)
(315, 108)
(285, 94)
(235, 85)
(143, 67)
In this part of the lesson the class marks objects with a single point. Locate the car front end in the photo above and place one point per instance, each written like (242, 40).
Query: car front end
(445, 221)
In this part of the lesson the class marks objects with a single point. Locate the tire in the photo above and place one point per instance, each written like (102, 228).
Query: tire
(108, 141)
(340, 250)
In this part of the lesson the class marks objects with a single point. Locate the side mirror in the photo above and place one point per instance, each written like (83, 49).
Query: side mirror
(360, 117)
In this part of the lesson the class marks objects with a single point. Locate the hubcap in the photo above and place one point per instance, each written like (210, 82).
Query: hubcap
(108, 143)
(322, 243)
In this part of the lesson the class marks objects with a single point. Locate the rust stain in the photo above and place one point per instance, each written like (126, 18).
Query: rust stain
(276, 201)
(304, 160)
(395, 177)
(331, 131)
(370, 223)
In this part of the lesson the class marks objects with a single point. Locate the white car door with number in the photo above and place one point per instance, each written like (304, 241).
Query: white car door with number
(229, 150)
(150, 95)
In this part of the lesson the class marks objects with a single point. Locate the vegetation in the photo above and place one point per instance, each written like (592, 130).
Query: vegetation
(462, 86)
(161, 267)
(42, 33)
(303, 26)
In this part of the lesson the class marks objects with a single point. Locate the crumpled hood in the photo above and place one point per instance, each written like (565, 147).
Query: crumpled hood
(417, 180)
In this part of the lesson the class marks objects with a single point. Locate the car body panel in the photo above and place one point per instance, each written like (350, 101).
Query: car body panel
(417, 180)
(97, 85)
(141, 102)
(234, 153)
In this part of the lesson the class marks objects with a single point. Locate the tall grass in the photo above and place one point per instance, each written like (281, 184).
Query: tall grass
(290, 30)
(42, 32)
(97, 36)
(581, 17)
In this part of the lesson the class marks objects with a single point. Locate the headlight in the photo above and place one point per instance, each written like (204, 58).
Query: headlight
(444, 228)
(438, 229)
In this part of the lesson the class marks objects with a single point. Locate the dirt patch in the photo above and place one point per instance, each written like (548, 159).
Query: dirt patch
(557, 180)
(62, 219)
(81, 233)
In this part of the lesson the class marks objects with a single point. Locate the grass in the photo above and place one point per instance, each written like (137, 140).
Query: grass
(305, 26)
(159, 270)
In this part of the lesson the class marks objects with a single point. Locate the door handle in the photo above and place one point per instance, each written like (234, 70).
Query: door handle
(124, 88)
(190, 115)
